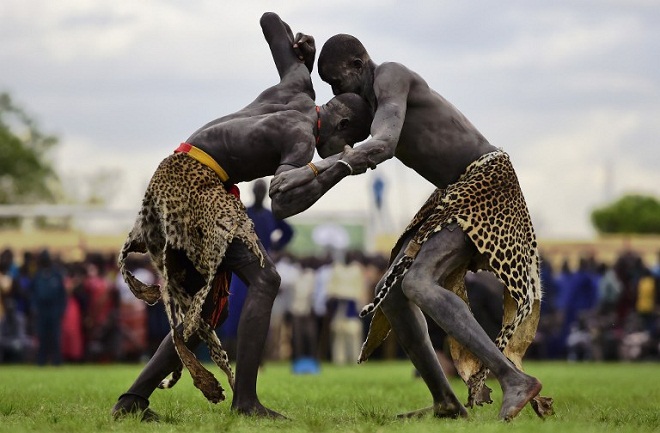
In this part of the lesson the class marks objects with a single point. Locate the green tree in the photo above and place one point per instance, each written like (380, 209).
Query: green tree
(632, 213)
(26, 173)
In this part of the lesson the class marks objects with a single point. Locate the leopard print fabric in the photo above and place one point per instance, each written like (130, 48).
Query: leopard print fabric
(187, 208)
(488, 204)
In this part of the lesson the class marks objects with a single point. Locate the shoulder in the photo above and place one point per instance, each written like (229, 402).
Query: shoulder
(392, 68)
(393, 80)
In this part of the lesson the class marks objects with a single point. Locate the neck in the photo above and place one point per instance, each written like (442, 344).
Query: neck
(318, 124)
(368, 91)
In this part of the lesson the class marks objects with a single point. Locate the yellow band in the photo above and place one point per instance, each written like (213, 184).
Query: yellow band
(314, 169)
(208, 161)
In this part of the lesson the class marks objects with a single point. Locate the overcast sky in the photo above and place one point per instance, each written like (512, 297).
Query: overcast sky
(570, 89)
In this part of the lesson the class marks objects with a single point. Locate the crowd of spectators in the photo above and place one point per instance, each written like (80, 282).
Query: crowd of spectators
(54, 312)
(600, 312)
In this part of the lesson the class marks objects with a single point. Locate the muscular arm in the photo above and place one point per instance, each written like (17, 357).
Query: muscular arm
(293, 191)
(296, 190)
(280, 39)
(392, 83)
(294, 76)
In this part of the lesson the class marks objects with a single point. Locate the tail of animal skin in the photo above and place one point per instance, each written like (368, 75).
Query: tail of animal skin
(524, 304)
(397, 271)
(149, 293)
(523, 310)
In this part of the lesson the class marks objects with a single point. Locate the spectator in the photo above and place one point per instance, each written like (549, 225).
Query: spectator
(581, 296)
(647, 297)
(14, 341)
(344, 291)
(49, 297)
(26, 272)
(73, 340)
(102, 321)
(320, 305)
(279, 339)
(655, 270)
(609, 289)
(547, 343)
(303, 324)
(579, 343)
(133, 311)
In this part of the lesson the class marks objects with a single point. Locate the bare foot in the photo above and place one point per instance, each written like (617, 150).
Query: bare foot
(256, 409)
(518, 395)
(439, 410)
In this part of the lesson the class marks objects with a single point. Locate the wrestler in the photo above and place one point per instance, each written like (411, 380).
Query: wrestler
(476, 219)
(196, 230)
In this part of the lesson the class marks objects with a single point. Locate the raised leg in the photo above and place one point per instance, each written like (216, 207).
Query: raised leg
(440, 255)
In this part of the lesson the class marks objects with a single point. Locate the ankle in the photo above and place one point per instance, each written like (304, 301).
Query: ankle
(131, 401)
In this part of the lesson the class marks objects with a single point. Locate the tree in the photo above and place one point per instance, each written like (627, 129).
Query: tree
(26, 174)
(632, 213)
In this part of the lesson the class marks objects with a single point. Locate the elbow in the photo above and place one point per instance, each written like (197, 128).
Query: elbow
(267, 21)
(267, 16)
(388, 152)
(382, 152)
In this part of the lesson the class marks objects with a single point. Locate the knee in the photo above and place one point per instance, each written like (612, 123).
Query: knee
(269, 281)
(418, 287)
(411, 286)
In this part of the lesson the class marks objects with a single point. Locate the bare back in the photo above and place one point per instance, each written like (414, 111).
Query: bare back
(273, 129)
(251, 147)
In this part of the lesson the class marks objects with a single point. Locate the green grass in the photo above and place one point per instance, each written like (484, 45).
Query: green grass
(588, 397)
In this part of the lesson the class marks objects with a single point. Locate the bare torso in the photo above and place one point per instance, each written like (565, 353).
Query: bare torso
(254, 146)
(411, 122)
(436, 139)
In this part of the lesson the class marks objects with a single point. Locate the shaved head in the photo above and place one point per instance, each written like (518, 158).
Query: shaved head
(341, 48)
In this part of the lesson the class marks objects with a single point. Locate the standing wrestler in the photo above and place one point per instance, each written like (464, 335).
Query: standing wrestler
(196, 231)
(476, 219)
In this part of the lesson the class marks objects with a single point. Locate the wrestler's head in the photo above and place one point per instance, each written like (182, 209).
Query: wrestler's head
(342, 64)
(345, 120)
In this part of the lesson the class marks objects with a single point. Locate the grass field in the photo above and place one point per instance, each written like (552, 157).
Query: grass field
(588, 398)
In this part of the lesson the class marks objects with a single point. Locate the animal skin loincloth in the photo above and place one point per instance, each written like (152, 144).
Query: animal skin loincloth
(188, 209)
(488, 204)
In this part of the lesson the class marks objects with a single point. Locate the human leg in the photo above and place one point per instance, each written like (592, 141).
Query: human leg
(162, 363)
(263, 284)
(411, 331)
(442, 254)
(166, 359)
